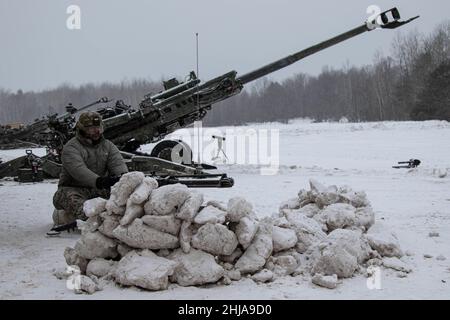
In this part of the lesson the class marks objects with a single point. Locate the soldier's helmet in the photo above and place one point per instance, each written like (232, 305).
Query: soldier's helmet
(89, 119)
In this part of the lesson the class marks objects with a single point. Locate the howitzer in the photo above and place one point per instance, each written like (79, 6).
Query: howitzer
(181, 104)
(62, 127)
(53, 132)
(42, 131)
(411, 163)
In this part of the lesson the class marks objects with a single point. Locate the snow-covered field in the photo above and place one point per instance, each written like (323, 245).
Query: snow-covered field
(412, 202)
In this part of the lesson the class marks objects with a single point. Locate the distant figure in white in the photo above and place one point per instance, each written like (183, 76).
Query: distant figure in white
(220, 141)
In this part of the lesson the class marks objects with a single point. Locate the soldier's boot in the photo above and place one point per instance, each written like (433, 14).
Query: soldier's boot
(62, 221)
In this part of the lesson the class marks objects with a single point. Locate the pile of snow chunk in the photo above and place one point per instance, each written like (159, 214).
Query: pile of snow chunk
(149, 236)
(337, 234)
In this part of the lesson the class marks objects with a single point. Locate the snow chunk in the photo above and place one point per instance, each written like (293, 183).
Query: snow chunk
(190, 207)
(112, 208)
(284, 265)
(168, 224)
(167, 199)
(90, 225)
(336, 260)
(96, 245)
(384, 241)
(185, 235)
(263, 276)
(339, 216)
(233, 274)
(215, 239)
(357, 199)
(245, 231)
(283, 238)
(93, 207)
(329, 282)
(139, 235)
(85, 285)
(195, 268)
(321, 220)
(132, 212)
(142, 192)
(324, 196)
(123, 249)
(321, 195)
(396, 264)
(210, 214)
(100, 267)
(73, 258)
(310, 210)
(238, 208)
(145, 270)
(353, 242)
(121, 191)
(281, 222)
(217, 204)
(256, 255)
(365, 217)
(308, 231)
(293, 203)
(232, 257)
(340, 253)
(109, 224)
(316, 187)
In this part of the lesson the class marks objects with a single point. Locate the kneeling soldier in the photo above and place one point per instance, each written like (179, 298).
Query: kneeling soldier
(91, 164)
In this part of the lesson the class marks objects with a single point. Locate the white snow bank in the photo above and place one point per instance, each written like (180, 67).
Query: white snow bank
(149, 237)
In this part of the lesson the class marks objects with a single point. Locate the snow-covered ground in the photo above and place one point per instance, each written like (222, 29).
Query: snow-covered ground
(412, 202)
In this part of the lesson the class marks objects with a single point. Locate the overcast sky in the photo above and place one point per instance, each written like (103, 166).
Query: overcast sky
(155, 39)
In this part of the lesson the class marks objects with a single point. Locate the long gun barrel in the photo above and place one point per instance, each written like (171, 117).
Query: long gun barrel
(181, 104)
(73, 110)
(366, 27)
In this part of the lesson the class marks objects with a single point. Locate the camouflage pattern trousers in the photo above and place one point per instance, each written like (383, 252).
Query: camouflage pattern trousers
(69, 201)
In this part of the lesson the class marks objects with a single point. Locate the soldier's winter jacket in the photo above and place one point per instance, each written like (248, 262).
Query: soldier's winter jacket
(83, 162)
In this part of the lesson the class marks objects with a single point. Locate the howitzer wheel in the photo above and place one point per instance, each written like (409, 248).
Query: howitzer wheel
(173, 150)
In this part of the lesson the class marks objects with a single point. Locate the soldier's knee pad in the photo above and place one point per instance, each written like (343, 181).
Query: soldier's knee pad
(57, 200)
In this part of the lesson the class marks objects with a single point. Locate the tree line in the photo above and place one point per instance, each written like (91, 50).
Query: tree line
(412, 83)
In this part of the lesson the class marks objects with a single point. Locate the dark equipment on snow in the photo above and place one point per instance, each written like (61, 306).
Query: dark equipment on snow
(179, 105)
(56, 230)
(198, 181)
(412, 163)
(32, 170)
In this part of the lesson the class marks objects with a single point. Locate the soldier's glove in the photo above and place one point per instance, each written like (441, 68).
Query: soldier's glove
(106, 182)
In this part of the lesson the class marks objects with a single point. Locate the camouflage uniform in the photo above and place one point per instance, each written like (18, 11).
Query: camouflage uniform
(69, 201)
(84, 160)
